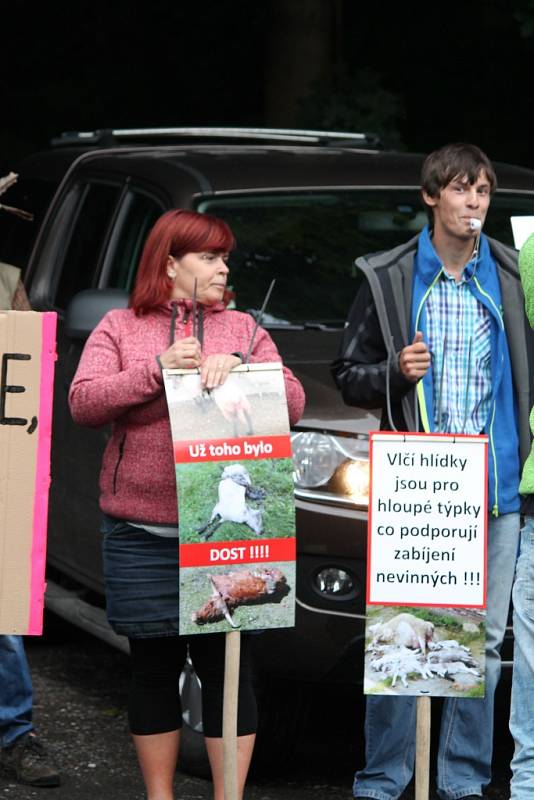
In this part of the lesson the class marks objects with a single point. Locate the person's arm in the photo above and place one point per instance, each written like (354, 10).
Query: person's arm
(526, 270)
(102, 389)
(361, 366)
(20, 300)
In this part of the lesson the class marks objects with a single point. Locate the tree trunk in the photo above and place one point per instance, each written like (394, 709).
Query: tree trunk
(302, 46)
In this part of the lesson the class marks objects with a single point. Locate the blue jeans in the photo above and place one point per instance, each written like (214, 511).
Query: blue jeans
(466, 734)
(522, 705)
(15, 690)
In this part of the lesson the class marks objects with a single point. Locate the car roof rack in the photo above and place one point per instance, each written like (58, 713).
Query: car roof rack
(111, 137)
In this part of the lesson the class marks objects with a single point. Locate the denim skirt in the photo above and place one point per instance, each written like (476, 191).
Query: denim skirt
(142, 580)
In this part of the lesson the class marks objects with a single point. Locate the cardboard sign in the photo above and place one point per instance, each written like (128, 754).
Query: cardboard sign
(234, 477)
(427, 564)
(27, 353)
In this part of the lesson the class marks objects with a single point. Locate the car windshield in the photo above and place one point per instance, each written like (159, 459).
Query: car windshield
(308, 242)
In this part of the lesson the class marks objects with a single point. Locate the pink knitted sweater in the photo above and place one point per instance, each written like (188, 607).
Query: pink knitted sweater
(119, 382)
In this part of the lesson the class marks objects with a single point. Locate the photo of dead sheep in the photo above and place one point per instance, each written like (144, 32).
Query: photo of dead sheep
(237, 597)
(223, 501)
(247, 404)
(439, 652)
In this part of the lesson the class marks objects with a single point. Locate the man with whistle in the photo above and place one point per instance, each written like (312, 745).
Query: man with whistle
(437, 339)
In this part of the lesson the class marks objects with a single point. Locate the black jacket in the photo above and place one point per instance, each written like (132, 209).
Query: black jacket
(379, 327)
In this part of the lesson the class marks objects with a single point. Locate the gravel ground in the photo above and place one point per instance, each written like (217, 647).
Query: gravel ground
(80, 687)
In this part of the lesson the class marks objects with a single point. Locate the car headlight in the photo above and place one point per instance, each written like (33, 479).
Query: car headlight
(334, 582)
(334, 466)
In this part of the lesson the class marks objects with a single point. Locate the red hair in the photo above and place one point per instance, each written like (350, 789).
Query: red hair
(175, 233)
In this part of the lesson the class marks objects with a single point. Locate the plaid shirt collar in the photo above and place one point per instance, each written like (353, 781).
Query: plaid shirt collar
(429, 263)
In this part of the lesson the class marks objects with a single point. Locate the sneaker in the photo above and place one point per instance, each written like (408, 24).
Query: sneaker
(26, 761)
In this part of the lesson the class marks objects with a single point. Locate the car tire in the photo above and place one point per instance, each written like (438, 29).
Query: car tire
(193, 758)
(283, 714)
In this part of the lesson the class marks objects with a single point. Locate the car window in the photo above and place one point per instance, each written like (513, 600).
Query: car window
(308, 241)
(137, 217)
(18, 235)
(88, 235)
(506, 207)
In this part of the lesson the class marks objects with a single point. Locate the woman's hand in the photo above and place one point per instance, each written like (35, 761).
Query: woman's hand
(215, 369)
(183, 354)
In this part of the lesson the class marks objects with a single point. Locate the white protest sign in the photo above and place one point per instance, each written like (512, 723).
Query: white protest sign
(522, 228)
(427, 520)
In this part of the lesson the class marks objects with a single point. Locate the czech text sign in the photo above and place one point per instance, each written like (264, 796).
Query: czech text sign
(426, 571)
(234, 477)
(27, 359)
(427, 521)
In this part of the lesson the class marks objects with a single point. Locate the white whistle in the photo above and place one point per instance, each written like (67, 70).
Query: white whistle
(475, 224)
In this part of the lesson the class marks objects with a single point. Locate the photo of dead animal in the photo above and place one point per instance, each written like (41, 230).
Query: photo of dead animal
(234, 492)
(247, 404)
(223, 501)
(403, 630)
(234, 588)
(244, 596)
(439, 654)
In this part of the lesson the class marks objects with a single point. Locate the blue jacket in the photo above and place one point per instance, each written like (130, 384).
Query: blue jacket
(483, 283)
(380, 324)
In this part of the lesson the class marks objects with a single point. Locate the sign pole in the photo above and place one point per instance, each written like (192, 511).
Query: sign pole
(238, 459)
(422, 748)
(230, 700)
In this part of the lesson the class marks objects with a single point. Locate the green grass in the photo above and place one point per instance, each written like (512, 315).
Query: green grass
(453, 626)
(475, 691)
(195, 589)
(439, 619)
(379, 687)
(198, 493)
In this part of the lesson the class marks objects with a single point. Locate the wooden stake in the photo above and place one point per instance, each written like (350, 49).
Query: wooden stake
(422, 749)
(231, 689)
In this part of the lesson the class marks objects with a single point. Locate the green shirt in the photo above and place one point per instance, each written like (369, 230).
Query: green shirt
(526, 270)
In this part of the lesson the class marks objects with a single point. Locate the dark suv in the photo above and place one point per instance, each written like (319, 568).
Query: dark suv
(303, 206)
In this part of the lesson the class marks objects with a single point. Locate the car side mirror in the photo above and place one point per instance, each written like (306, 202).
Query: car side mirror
(87, 308)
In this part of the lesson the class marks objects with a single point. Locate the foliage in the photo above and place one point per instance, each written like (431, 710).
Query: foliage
(359, 103)
(525, 17)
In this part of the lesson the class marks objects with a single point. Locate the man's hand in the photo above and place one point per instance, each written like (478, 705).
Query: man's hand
(414, 360)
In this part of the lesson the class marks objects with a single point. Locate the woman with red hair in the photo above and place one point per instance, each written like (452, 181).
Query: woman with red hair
(119, 382)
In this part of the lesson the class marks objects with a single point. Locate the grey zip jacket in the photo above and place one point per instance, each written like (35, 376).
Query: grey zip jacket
(378, 328)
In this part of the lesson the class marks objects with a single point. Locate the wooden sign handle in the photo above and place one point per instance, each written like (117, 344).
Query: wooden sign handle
(230, 699)
(422, 749)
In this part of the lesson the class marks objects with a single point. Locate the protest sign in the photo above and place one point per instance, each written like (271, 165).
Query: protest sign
(27, 352)
(426, 576)
(234, 477)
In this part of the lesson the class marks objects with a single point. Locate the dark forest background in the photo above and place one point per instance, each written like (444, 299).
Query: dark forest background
(418, 74)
